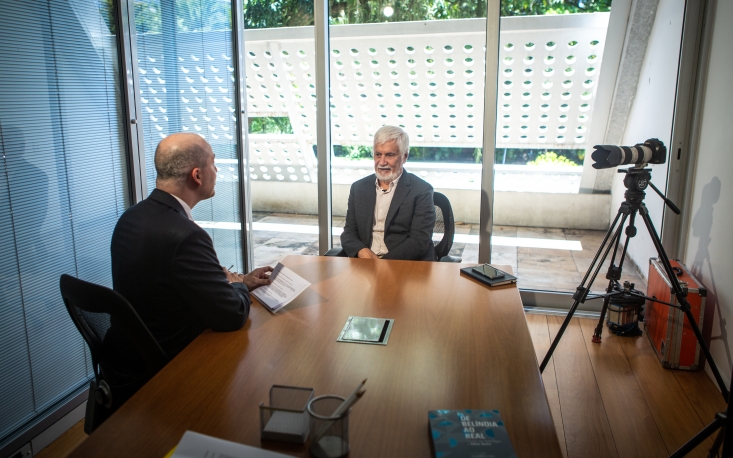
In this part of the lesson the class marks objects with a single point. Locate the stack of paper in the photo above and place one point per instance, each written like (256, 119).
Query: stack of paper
(286, 285)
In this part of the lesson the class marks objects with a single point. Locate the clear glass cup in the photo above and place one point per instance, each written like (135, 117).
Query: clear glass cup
(329, 433)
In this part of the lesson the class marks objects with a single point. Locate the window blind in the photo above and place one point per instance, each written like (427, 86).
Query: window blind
(63, 184)
(187, 84)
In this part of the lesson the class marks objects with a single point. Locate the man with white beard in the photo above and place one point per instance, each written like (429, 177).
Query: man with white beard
(391, 213)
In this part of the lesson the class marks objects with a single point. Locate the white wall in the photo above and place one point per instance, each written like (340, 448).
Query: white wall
(709, 252)
(651, 117)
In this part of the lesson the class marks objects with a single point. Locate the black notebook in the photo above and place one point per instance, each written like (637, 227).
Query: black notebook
(505, 279)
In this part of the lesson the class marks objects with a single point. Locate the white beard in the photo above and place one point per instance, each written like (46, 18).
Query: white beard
(387, 177)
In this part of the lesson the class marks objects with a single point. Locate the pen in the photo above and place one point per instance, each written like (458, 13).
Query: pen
(348, 402)
(230, 268)
(344, 407)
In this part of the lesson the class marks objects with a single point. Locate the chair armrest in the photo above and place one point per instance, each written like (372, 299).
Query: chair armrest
(338, 251)
(450, 259)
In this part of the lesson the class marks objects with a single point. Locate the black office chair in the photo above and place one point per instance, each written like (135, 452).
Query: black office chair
(125, 355)
(444, 224)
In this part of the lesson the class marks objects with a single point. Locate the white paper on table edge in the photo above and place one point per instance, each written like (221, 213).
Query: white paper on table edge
(219, 446)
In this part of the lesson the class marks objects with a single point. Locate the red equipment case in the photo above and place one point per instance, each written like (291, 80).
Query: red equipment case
(667, 327)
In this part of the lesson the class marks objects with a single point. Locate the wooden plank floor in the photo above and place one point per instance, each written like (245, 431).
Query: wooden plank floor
(615, 399)
(612, 399)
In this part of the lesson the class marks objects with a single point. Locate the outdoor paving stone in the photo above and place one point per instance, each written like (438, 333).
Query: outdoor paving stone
(504, 259)
(537, 268)
(504, 231)
(548, 263)
(503, 249)
(270, 255)
(286, 218)
(543, 252)
(312, 250)
(470, 254)
(540, 233)
(553, 287)
(584, 233)
(457, 250)
(542, 276)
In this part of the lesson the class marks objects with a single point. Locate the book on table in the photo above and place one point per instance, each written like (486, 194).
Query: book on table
(469, 434)
(476, 272)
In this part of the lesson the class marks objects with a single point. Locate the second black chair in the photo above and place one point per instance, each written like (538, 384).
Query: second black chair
(125, 355)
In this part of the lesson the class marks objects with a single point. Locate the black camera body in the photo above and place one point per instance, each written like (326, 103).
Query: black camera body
(651, 151)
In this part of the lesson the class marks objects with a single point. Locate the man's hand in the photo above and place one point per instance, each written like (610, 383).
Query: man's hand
(366, 253)
(232, 277)
(258, 277)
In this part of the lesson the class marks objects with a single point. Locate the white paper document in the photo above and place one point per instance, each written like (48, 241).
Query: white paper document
(195, 445)
(286, 285)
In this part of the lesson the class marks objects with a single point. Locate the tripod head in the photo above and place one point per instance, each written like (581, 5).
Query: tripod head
(636, 181)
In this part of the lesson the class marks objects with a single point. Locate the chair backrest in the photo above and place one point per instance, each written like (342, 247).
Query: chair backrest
(94, 310)
(444, 224)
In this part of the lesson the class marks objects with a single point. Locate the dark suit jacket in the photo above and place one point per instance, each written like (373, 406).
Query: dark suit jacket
(165, 265)
(408, 228)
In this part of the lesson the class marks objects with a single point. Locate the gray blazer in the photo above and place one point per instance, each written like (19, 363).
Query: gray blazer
(408, 229)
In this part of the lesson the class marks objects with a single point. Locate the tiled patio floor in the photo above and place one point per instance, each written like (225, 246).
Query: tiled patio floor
(544, 268)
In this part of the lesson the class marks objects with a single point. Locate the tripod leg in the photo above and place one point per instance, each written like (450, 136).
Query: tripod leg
(565, 323)
(599, 328)
(713, 452)
(682, 300)
(614, 273)
(582, 291)
(698, 438)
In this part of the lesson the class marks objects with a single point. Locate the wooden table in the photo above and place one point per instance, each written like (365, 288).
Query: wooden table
(455, 344)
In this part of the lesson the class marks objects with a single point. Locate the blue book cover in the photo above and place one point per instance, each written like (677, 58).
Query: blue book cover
(469, 434)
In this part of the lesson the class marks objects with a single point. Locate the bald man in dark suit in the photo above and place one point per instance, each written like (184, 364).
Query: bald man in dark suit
(165, 265)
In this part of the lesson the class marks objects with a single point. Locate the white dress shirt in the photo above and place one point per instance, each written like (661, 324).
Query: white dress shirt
(185, 206)
(381, 207)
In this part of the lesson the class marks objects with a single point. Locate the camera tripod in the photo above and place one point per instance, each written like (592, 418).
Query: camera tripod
(725, 435)
(636, 181)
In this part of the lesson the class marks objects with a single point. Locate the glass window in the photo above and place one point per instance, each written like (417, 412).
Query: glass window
(187, 84)
(419, 66)
(281, 105)
(63, 184)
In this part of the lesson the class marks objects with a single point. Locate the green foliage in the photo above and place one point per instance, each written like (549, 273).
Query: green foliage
(539, 7)
(515, 156)
(107, 11)
(270, 125)
(417, 153)
(147, 17)
(292, 13)
(261, 14)
(444, 154)
(151, 16)
(352, 151)
(552, 159)
(472, 155)
(202, 15)
(212, 15)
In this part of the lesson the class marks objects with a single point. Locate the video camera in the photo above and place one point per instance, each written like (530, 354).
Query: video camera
(651, 151)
